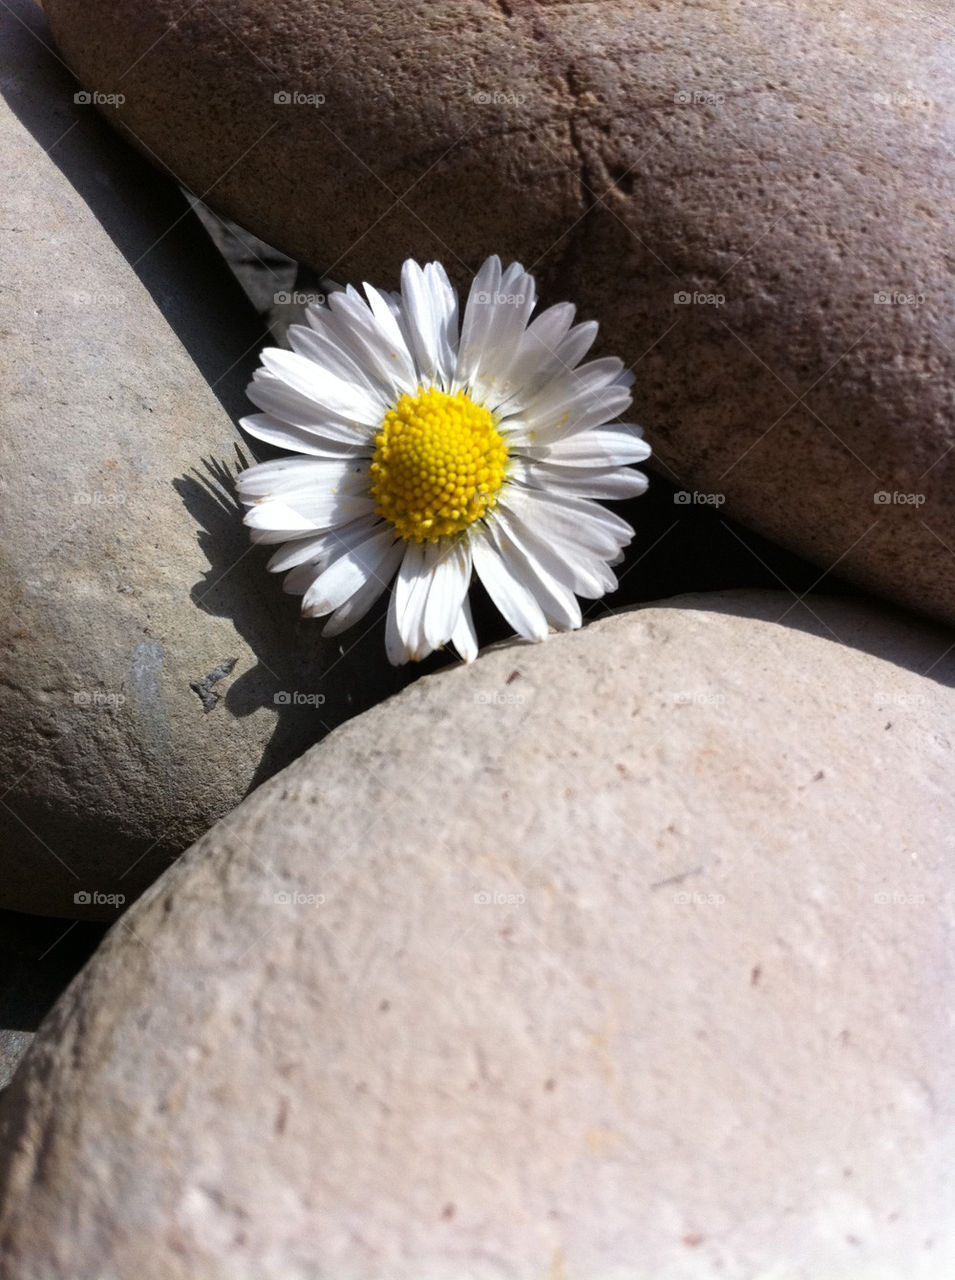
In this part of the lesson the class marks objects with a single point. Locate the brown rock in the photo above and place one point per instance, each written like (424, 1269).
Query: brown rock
(621, 955)
(790, 165)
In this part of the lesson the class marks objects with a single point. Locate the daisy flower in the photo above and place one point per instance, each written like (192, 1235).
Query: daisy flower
(427, 452)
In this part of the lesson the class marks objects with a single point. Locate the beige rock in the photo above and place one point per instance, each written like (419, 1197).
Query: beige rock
(622, 956)
(785, 167)
(131, 601)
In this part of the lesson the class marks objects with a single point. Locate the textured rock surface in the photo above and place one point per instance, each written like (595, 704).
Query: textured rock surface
(128, 585)
(753, 198)
(624, 955)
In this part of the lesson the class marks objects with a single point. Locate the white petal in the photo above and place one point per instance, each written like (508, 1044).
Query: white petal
(298, 581)
(537, 361)
(327, 391)
(450, 579)
(573, 532)
(554, 597)
(578, 342)
(284, 474)
(319, 342)
(358, 605)
(491, 343)
(411, 597)
(276, 515)
(275, 397)
(265, 426)
(317, 549)
(430, 314)
(308, 550)
(510, 596)
(312, 512)
(617, 445)
(445, 302)
(464, 636)
(578, 399)
(609, 483)
(477, 319)
(578, 568)
(350, 570)
(374, 340)
(395, 647)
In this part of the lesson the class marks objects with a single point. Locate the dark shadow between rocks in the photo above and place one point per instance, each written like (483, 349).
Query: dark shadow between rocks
(40, 954)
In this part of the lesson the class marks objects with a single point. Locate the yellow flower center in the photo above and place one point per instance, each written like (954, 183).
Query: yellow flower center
(438, 465)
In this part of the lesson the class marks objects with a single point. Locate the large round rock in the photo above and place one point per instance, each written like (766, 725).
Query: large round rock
(620, 956)
(754, 199)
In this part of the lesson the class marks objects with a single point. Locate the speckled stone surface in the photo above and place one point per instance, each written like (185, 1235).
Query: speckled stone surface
(623, 955)
(753, 198)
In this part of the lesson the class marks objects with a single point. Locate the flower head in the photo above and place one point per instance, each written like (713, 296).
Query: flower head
(425, 453)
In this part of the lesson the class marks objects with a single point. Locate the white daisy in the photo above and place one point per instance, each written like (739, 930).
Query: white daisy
(432, 455)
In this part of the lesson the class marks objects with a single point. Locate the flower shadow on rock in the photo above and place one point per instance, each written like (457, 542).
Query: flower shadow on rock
(312, 684)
